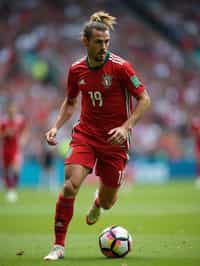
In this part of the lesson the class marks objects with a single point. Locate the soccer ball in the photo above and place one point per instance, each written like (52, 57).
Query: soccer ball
(115, 242)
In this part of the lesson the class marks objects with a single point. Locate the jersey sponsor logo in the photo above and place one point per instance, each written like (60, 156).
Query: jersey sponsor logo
(107, 80)
(135, 81)
(82, 82)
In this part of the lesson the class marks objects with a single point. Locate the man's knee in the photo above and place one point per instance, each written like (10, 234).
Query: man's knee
(70, 188)
(107, 204)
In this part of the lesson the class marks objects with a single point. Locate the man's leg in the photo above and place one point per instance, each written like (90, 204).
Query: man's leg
(105, 198)
(11, 195)
(6, 177)
(74, 176)
(111, 175)
(13, 177)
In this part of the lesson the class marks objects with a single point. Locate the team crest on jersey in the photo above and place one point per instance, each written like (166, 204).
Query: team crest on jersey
(107, 80)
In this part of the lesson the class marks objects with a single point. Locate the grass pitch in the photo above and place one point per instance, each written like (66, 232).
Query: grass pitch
(164, 221)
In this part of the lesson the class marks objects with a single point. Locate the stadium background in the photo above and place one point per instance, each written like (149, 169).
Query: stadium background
(39, 41)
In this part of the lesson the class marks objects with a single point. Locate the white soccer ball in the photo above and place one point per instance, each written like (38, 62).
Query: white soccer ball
(115, 242)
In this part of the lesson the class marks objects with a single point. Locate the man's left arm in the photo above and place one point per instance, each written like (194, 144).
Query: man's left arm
(143, 103)
(119, 134)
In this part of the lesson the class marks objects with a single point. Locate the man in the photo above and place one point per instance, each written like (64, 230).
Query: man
(13, 134)
(101, 138)
(196, 134)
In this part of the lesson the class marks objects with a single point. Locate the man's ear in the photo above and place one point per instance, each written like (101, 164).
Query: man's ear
(84, 41)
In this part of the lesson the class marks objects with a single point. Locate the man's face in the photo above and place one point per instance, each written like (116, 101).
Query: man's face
(97, 45)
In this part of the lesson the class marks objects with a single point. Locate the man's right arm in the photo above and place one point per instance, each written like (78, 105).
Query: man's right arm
(66, 110)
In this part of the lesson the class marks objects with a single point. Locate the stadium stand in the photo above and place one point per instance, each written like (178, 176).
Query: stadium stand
(42, 38)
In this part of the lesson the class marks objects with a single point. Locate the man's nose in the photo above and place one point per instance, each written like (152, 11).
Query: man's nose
(103, 46)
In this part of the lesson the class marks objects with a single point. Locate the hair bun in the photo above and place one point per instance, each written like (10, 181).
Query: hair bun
(103, 17)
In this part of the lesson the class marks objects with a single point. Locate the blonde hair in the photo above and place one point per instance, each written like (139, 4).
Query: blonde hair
(100, 21)
(105, 18)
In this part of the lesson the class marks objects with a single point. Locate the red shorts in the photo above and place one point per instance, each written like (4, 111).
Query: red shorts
(109, 163)
(11, 159)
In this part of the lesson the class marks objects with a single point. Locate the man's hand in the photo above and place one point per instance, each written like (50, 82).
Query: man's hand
(118, 135)
(51, 136)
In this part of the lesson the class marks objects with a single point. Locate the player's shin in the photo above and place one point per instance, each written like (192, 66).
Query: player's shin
(63, 216)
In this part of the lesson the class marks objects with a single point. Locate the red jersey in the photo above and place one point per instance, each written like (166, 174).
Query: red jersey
(12, 128)
(106, 94)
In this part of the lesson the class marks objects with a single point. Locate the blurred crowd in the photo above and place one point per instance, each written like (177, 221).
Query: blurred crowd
(40, 39)
(181, 19)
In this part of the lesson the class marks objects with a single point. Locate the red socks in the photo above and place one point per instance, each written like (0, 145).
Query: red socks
(8, 182)
(97, 202)
(11, 181)
(63, 216)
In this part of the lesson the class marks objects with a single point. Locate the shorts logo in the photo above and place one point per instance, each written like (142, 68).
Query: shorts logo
(107, 80)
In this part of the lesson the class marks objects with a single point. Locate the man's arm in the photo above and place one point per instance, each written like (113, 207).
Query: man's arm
(143, 104)
(66, 110)
(119, 134)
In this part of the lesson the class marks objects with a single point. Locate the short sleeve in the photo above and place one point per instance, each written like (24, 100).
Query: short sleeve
(130, 79)
(72, 87)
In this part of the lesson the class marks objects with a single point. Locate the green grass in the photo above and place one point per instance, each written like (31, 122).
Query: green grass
(164, 221)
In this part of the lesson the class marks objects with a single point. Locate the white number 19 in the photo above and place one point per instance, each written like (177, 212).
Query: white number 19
(96, 98)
